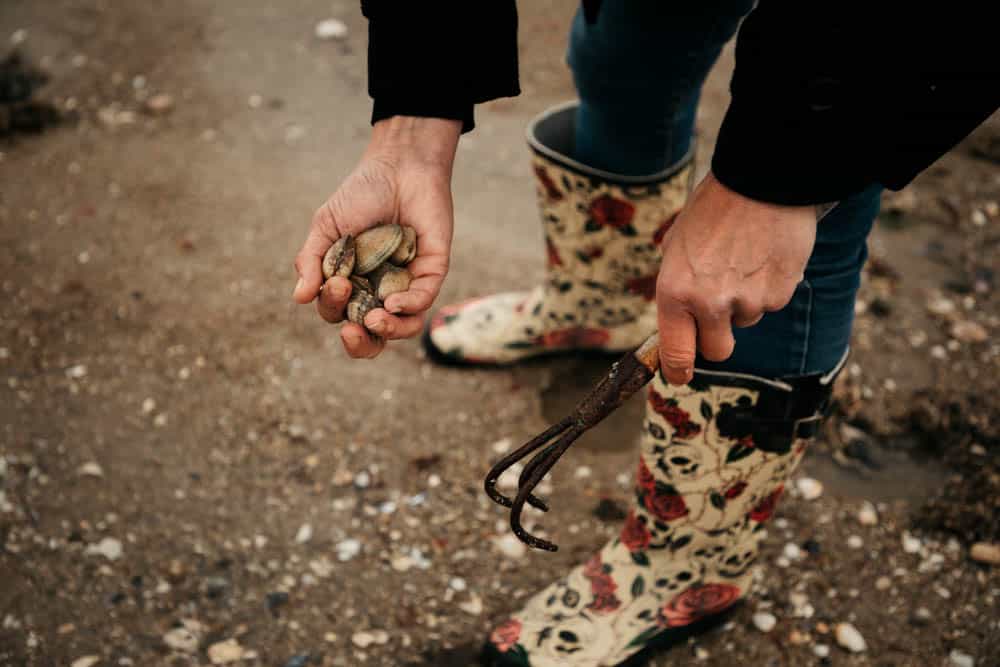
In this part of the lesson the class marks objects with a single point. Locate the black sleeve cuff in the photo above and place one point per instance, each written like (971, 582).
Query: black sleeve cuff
(387, 107)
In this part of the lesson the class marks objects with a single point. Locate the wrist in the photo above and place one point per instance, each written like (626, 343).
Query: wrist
(743, 201)
(432, 140)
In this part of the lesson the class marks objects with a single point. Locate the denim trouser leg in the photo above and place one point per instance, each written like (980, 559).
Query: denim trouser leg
(639, 72)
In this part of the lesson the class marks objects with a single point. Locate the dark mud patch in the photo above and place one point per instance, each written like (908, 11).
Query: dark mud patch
(20, 111)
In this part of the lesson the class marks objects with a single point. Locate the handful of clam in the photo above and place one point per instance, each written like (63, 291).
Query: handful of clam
(375, 263)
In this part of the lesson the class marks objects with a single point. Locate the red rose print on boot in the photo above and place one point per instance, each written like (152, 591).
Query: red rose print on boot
(644, 479)
(607, 211)
(552, 253)
(644, 287)
(602, 586)
(697, 602)
(635, 536)
(665, 503)
(505, 635)
(765, 508)
(680, 419)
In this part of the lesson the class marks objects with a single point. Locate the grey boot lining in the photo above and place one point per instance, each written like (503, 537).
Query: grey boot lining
(551, 133)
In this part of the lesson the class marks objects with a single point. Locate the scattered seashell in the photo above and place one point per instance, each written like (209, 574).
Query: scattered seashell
(339, 259)
(374, 246)
(810, 488)
(90, 469)
(849, 637)
(968, 331)
(764, 621)
(86, 661)
(331, 29)
(224, 652)
(407, 249)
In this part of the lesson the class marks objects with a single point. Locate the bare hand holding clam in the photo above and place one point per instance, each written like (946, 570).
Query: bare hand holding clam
(393, 211)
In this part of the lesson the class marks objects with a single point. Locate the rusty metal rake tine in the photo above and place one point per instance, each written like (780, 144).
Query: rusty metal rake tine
(541, 440)
(540, 466)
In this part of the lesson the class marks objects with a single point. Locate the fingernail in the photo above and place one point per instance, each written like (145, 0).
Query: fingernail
(395, 309)
(298, 285)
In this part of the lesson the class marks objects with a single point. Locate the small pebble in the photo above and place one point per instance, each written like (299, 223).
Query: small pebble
(305, 533)
(510, 546)
(883, 583)
(401, 563)
(300, 660)
(363, 479)
(474, 605)
(911, 544)
(985, 552)
(181, 639)
(90, 469)
(502, 446)
(86, 661)
(764, 621)
(322, 567)
(348, 549)
(821, 650)
(76, 372)
(583, 472)
(849, 638)
(362, 639)
(700, 654)
(968, 331)
(792, 551)
(457, 584)
(331, 29)
(921, 617)
(159, 104)
(433, 481)
(855, 542)
(867, 515)
(810, 488)
(959, 659)
(108, 547)
(224, 652)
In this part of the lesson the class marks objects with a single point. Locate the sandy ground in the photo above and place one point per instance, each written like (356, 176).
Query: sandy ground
(161, 393)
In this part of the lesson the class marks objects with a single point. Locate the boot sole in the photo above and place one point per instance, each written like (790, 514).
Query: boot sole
(443, 359)
(661, 643)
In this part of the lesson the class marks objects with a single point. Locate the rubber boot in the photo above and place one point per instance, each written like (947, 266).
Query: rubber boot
(602, 234)
(715, 457)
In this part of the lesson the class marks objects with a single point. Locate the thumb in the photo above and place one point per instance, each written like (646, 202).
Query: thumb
(678, 336)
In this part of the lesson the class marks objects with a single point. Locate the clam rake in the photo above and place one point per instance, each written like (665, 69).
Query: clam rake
(627, 376)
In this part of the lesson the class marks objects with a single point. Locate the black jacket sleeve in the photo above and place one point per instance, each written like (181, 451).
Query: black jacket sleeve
(438, 59)
(828, 98)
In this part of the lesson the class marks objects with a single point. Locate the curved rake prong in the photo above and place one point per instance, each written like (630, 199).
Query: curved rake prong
(541, 440)
(540, 466)
(627, 376)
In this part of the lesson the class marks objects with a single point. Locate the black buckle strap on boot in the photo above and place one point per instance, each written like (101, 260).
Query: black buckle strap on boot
(786, 409)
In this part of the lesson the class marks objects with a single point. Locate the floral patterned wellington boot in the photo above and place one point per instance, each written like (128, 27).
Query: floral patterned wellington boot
(602, 234)
(714, 460)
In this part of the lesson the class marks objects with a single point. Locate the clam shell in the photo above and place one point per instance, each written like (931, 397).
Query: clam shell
(360, 304)
(375, 245)
(362, 283)
(407, 249)
(389, 279)
(339, 259)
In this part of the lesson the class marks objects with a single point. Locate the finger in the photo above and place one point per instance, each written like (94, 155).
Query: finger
(358, 343)
(746, 321)
(309, 264)
(746, 313)
(420, 295)
(333, 299)
(715, 336)
(390, 327)
(678, 335)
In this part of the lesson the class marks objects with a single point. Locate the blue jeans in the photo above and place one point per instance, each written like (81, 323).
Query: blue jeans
(639, 71)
